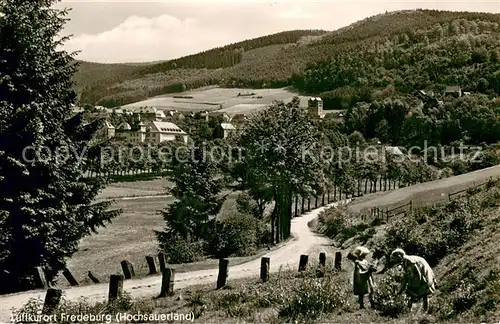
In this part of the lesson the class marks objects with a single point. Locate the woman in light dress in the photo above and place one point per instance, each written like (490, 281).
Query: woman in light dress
(419, 281)
(363, 282)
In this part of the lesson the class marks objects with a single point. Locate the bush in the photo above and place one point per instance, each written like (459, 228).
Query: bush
(313, 297)
(235, 236)
(179, 251)
(434, 231)
(102, 311)
(386, 299)
(340, 224)
(468, 291)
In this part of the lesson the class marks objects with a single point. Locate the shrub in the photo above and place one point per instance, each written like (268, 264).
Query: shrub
(339, 223)
(467, 291)
(235, 236)
(385, 297)
(313, 297)
(101, 310)
(433, 232)
(178, 250)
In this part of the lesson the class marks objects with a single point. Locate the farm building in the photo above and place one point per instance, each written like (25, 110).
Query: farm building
(224, 130)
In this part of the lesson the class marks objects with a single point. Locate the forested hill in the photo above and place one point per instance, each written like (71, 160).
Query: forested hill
(396, 52)
(91, 77)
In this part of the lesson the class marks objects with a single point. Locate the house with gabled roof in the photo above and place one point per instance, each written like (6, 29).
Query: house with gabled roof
(224, 130)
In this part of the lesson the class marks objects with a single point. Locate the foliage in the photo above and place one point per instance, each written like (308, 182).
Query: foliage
(46, 204)
(235, 236)
(177, 250)
(339, 224)
(280, 149)
(393, 53)
(100, 310)
(189, 72)
(313, 297)
(434, 232)
(289, 297)
(197, 189)
(471, 290)
(386, 299)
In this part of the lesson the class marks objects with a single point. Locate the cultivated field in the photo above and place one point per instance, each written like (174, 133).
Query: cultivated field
(215, 98)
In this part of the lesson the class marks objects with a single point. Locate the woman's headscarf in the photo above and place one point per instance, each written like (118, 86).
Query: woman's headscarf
(360, 252)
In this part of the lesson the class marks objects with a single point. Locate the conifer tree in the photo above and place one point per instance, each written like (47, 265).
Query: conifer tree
(46, 203)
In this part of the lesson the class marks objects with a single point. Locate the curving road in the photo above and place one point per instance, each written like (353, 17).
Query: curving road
(287, 255)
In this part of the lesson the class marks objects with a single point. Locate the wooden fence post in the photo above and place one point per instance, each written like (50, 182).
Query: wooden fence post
(338, 260)
(161, 261)
(411, 205)
(69, 276)
(128, 269)
(322, 259)
(296, 205)
(93, 278)
(322, 264)
(328, 196)
(40, 280)
(167, 282)
(115, 287)
(151, 264)
(223, 273)
(265, 263)
(52, 300)
(304, 258)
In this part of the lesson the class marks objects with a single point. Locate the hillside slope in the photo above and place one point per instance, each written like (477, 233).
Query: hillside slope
(405, 50)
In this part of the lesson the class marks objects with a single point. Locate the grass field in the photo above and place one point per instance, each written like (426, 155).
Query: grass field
(135, 189)
(430, 192)
(228, 100)
(131, 235)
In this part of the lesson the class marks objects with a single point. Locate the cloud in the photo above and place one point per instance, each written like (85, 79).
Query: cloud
(140, 38)
(121, 31)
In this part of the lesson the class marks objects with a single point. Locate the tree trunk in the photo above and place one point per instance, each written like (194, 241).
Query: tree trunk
(273, 218)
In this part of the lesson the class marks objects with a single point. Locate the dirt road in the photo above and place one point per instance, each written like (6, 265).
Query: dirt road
(288, 255)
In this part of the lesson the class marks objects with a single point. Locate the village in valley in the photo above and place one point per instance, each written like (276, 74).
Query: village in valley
(348, 175)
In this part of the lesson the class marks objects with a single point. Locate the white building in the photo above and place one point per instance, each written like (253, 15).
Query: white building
(157, 132)
(151, 132)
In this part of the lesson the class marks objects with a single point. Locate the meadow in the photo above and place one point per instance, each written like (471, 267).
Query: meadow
(219, 99)
(131, 235)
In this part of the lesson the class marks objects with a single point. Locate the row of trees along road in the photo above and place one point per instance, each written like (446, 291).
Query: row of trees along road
(282, 153)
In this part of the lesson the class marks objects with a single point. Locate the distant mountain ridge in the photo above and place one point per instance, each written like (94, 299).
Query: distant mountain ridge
(276, 60)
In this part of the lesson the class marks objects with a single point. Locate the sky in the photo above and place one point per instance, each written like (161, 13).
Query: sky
(141, 31)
